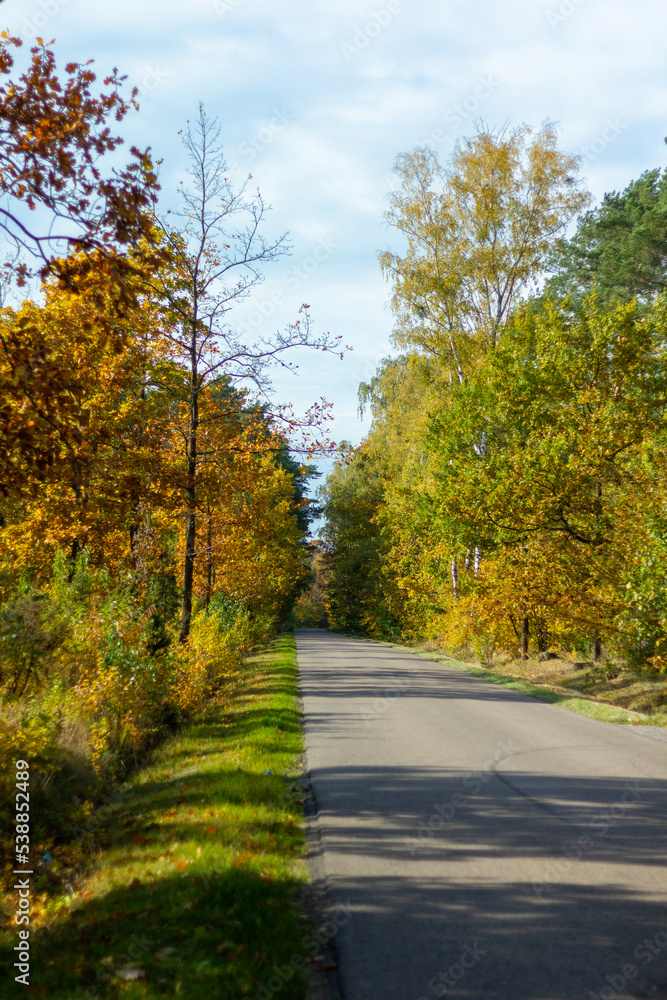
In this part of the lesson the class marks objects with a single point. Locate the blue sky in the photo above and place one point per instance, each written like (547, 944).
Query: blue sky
(316, 100)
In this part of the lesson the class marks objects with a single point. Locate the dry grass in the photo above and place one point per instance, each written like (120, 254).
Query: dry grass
(602, 682)
(641, 698)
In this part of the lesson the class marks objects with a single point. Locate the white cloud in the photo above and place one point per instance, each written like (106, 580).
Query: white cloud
(327, 171)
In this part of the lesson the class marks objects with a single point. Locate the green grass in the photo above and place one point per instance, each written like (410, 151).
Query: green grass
(592, 706)
(585, 706)
(193, 888)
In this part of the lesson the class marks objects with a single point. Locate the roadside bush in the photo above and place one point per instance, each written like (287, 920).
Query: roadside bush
(219, 640)
(92, 676)
(31, 631)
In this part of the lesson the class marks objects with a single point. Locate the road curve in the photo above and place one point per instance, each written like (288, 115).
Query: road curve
(477, 843)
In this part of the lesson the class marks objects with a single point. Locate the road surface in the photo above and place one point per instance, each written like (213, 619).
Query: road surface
(477, 843)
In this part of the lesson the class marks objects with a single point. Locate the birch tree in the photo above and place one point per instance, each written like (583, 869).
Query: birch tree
(478, 230)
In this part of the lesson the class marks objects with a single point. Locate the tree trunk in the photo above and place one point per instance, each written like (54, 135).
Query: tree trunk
(542, 636)
(188, 574)
(209, 561)
(134, 536)
(73, 556)
(135, 496)
(597, 648)
(455, 579)
(525, 633)
(191, 502)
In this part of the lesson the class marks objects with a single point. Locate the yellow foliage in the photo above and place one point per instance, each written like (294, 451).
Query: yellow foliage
(33, 738)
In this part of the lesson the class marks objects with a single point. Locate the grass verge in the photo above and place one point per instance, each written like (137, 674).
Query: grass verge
(196, 863)
(590, 702)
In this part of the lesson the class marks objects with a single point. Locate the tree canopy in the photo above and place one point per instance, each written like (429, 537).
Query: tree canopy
(511, 492)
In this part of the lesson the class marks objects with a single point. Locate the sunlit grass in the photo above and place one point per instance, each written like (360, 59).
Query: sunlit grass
(588, 692)
(192, 892)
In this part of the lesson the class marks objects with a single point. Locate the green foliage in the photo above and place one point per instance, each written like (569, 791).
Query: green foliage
(569, 411)
(164, 596)
(30, 631)
(619, 248)
(512, 493)
(208, 826)
(354, 548)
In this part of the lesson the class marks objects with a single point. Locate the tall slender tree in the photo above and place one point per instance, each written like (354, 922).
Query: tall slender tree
(218, 253)
(479, 230)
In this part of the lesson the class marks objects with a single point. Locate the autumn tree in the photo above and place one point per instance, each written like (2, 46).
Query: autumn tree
(567, 485)
(218, 254)
(103, 426)
(251, 524)
(54, 135)
(517, 426)
(478, 230)
(65, 215)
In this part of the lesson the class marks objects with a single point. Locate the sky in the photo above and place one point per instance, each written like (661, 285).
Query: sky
(316, 100)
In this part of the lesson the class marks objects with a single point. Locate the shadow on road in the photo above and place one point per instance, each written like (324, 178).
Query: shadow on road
(537, 876)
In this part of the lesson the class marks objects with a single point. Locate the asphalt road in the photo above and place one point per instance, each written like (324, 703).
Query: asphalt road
(479, 843)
